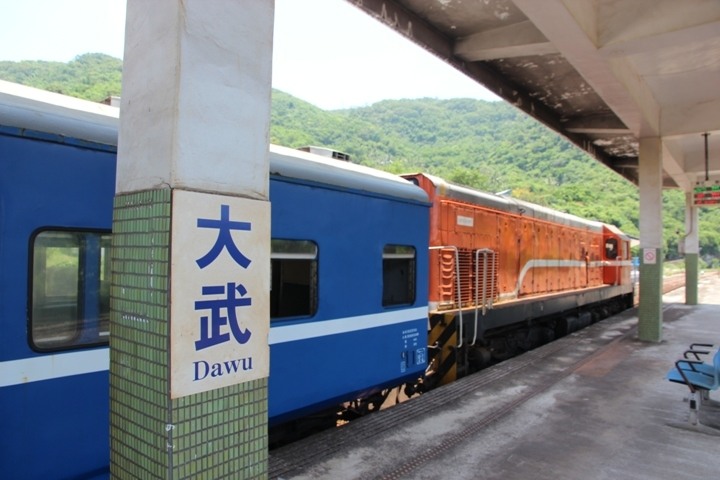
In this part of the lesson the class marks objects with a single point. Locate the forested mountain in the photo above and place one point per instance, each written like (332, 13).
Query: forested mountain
(93, 76)
(487, 145)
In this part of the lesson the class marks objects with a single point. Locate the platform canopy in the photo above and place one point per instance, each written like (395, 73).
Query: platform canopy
(603, 73)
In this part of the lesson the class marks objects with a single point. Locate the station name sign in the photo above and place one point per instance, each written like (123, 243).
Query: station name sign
(706, 196)
(220, 309)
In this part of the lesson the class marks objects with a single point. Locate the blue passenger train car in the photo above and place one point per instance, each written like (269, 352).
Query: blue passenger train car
(348, 296)
(56, 188)
(348, 299)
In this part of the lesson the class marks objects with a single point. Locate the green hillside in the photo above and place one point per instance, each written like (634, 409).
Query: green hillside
(93, 76)
(487, 145)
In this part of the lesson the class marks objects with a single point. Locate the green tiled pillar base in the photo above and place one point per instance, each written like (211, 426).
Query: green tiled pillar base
(650, 310)
(691, 278)
(216, 434)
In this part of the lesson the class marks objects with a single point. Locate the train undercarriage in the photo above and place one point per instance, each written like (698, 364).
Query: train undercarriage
(462, 343)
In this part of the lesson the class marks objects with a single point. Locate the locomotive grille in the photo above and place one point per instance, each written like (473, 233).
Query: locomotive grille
(468, 278)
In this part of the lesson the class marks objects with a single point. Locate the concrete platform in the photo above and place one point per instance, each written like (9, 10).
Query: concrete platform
(593, 405)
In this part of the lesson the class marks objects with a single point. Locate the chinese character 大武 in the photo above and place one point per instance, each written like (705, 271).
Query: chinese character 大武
(210, 326)
(224, 239)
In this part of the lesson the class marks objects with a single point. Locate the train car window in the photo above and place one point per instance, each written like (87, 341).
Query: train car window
(398, 275)
(294, 278)
(70, 289)
(611, 248)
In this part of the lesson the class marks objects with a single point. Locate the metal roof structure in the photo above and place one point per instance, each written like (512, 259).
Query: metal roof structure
(602, 73)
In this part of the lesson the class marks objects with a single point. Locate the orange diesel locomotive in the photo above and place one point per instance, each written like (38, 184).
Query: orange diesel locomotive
(506, 276)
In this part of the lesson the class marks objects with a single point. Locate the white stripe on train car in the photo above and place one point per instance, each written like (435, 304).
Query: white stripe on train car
(557, 263)
(565, 264)
(48, 367)
(302, 331)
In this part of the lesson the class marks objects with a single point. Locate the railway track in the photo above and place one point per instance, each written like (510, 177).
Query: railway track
(673, 282)
(670, 283)
(677, 280)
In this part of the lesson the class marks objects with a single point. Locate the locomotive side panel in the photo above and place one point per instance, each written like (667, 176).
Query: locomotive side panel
(616, 257)
(595, 249)
(564, 243)
(567, 280)
(550, 274)
(525, 253)
(509, 244)
(533, 256)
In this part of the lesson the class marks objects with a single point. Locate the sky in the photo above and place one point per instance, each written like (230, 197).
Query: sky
(326, 52)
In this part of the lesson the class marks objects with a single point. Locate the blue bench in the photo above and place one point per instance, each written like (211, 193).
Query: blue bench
(696, 351)
(701, 378)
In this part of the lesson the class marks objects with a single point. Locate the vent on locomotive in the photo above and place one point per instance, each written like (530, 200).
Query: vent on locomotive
(468, 278)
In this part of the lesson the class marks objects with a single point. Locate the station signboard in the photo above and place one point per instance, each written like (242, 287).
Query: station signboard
(220, 274)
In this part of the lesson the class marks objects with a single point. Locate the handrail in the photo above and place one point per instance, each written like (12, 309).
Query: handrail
(486, 252)
(457, 281)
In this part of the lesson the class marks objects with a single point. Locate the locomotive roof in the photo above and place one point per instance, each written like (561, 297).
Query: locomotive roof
(511, 205)
(33, 109)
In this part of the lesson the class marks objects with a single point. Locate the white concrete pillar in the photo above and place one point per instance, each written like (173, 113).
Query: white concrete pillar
(651, 254)
(196, 96)
(191, 242)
